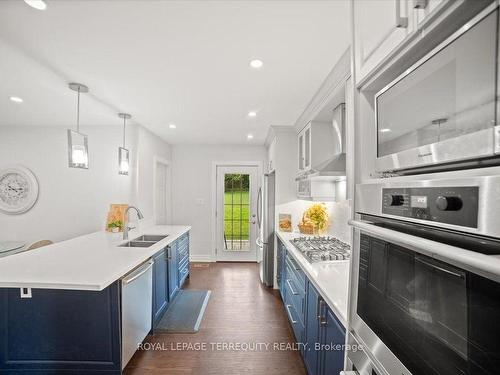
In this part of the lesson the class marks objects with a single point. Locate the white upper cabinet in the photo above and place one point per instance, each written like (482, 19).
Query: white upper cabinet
(271, 155)
(379, 27)
(315, 144)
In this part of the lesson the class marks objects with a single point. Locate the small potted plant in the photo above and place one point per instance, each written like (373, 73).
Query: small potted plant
(115, 226)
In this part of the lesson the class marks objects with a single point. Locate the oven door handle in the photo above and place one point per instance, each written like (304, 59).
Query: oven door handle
(481, 264)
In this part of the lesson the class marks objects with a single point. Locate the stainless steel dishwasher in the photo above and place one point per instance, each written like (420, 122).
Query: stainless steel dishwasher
(137, 301)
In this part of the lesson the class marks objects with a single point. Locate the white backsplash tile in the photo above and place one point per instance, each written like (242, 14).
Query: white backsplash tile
(339, 213)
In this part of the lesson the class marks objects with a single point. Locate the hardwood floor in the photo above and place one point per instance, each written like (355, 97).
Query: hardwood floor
(240, 310)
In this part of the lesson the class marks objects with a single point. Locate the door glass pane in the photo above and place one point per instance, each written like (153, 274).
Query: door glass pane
(450, 95)
(236, 212)
(301, 152)
(307, 148)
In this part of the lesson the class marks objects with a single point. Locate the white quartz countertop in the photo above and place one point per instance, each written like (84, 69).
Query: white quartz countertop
(331, 278)
(89, 262)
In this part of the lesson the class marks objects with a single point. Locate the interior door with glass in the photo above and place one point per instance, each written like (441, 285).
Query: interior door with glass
(237, 230)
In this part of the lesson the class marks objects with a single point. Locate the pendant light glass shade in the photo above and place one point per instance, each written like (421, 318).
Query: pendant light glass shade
(78, 155)
(78, 150)
(123, 161)
(123, 153)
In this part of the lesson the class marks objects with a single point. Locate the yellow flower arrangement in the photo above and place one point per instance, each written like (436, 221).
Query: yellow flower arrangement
(318, 215)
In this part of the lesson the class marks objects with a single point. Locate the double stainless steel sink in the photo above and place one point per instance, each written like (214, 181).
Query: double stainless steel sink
(146, 240)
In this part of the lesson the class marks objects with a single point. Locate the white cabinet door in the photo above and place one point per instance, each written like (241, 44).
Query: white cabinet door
(307, 148)
(424, 8)
(271, 153)
(379, 27)
(300, 141)
(304, 144)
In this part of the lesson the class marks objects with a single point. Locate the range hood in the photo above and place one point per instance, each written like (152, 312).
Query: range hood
(333, 167)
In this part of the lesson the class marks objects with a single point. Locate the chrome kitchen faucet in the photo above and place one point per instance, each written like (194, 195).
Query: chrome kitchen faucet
(126, 229)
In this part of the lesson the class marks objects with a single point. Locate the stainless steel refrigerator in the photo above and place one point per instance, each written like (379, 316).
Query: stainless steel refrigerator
(266, 221)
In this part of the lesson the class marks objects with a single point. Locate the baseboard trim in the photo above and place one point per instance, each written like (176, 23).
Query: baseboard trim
(201, 258)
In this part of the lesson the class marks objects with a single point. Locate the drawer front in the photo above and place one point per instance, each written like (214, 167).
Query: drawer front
(183, 263)
(183, 241)
(296, 271)
(298, 328)
(294, 296)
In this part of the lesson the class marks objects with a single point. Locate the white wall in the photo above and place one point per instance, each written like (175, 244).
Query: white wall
(192, 188)
(73, 202)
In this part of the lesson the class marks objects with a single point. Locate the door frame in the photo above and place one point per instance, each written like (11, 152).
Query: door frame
(168, 201)
(215, 165)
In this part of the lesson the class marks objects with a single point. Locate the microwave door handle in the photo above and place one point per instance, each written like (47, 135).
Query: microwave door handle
(441, 269)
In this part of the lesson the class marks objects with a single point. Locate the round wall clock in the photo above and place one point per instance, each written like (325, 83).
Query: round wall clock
(18, 190)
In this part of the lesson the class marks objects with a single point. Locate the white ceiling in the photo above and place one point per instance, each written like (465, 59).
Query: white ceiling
(182, 62)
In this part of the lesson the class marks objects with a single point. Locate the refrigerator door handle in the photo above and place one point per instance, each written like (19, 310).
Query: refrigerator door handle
(259, 199)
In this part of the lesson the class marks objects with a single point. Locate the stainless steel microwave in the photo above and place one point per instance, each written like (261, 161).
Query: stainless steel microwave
(445, 108)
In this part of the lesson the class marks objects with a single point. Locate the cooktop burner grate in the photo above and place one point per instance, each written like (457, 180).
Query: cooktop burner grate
(321, 249)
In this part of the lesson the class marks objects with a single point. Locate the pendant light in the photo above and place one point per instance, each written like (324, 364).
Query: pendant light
(77, 142)
(123, 153)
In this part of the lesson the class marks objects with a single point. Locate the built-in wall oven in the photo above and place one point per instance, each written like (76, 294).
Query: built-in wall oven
(444, 110)
(426, 277)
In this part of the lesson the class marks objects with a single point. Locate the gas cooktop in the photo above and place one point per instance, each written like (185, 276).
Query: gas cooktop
(320, 249)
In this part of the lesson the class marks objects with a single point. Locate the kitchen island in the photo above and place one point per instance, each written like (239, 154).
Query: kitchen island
(62, 307)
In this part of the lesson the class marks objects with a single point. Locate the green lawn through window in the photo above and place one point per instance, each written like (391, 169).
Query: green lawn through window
(236, 215)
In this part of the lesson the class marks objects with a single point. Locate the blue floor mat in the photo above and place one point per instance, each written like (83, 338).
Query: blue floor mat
(185, 313)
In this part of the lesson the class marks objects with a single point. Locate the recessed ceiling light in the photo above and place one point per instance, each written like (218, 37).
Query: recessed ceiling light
(250, 136)
(172, 126)
(252, 114)
(385, 130)
(37, 4)
(256, 64)
(16, 99)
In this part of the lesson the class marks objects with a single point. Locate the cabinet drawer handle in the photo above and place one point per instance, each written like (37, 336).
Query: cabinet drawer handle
(291, 287)
(420, 4)
(322, 319)
(290, 314)
(401, 22)
(294, 264)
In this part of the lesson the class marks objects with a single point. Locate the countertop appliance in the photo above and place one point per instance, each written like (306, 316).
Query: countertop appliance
(443, 111)
(426, 279)
(137, 299)
(322, 249)
(266, 222)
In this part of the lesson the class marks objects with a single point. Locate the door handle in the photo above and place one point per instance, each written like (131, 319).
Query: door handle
(290, 314)
(401, 22)
(259, 198)
(322, 318)
(291, 287)
(145, 268)
(420, 4)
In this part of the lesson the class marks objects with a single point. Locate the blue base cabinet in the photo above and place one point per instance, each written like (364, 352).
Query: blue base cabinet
(332, 335)
(60, 332)
(324, 336)
(281, 268)
(311, 355)
(170, 271)
(313, 322)
(160, 286)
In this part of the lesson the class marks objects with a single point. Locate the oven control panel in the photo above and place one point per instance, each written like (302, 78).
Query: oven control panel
(449, 205)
